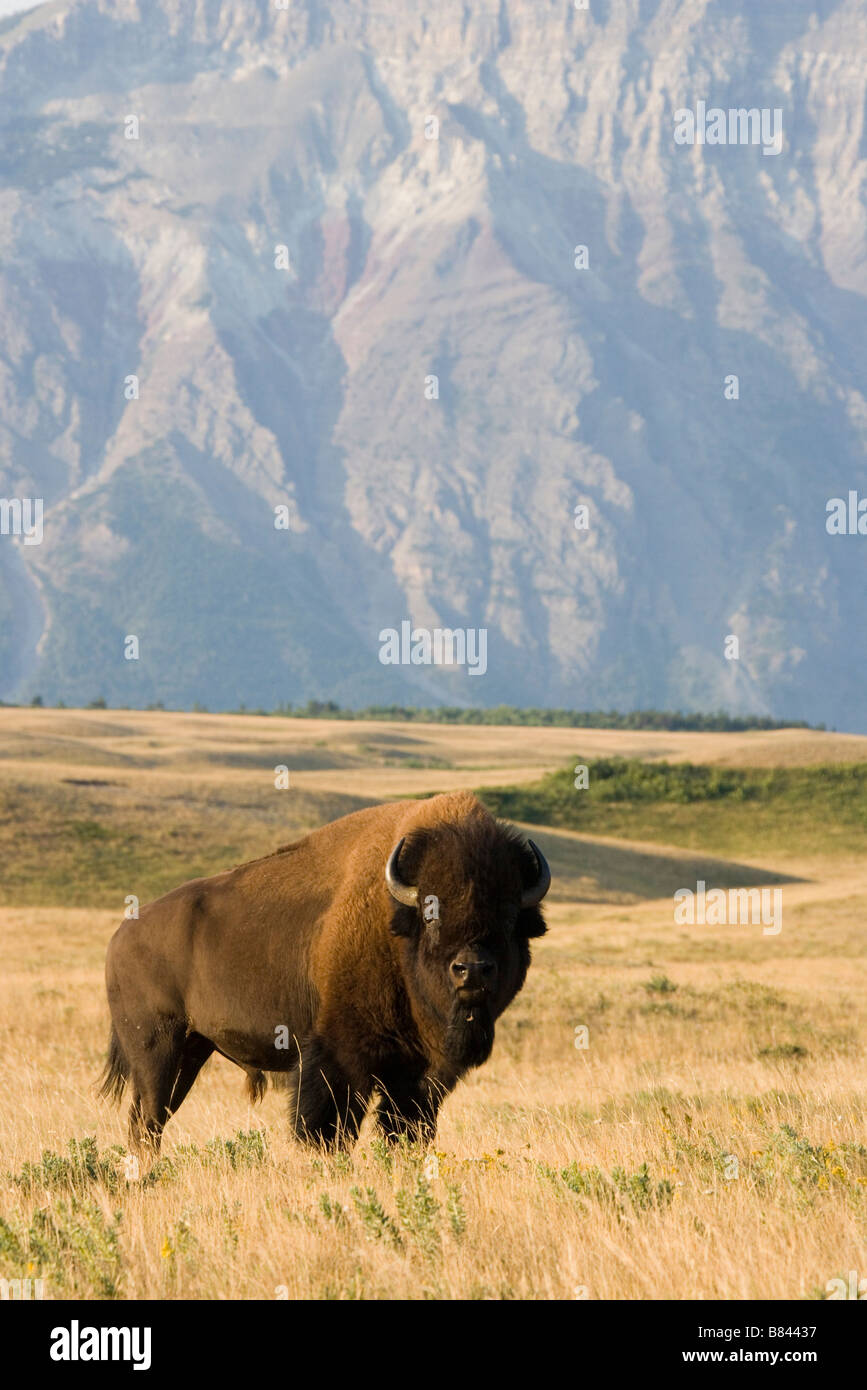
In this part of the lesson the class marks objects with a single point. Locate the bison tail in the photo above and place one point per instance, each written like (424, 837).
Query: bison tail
(116, 1071)
(257, 1084)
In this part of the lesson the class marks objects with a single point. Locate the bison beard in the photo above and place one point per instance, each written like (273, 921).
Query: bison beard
(469, 1034)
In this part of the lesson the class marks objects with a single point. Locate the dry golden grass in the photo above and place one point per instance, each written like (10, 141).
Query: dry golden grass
(706, 1143)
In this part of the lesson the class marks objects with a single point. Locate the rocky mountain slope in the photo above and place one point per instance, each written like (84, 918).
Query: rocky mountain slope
(329, 205)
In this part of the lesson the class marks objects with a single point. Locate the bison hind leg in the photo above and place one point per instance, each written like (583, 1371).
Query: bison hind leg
(162, 1073)
(327, 1106)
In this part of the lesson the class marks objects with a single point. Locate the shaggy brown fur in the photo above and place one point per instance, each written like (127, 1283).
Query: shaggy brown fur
(303, 962)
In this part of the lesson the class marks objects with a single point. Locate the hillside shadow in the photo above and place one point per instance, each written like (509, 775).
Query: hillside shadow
(596, 871)
(295, 758)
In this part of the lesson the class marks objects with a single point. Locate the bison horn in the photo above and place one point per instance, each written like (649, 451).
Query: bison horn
(405, 893)
(531, 896)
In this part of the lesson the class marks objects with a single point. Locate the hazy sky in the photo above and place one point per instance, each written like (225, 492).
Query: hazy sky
(10, 6)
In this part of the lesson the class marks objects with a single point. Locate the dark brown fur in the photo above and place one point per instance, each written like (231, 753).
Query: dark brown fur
(310, 939)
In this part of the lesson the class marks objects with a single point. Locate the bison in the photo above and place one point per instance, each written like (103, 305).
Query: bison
(370, 958)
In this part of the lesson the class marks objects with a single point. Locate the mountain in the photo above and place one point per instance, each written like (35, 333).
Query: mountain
(239, 242)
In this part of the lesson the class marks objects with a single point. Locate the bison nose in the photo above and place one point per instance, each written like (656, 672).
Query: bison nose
(472, 974)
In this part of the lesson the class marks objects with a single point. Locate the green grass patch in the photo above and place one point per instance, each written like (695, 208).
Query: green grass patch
(722, 810)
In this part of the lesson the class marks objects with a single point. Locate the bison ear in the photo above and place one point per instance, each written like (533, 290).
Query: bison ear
(535, 874)
(532, 923)
(404, 921)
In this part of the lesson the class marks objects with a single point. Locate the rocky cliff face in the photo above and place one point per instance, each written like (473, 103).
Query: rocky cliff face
(336, 273)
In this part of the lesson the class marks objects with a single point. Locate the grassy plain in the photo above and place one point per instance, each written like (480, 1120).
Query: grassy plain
(708, 1141)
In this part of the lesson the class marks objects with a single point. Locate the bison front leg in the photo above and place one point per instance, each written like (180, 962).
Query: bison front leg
(328, 1105)
(407, 1109)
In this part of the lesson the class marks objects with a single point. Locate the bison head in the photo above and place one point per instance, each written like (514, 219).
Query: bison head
(468, 899)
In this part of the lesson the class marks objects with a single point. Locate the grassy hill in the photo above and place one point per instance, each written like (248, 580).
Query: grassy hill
(725, 810)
